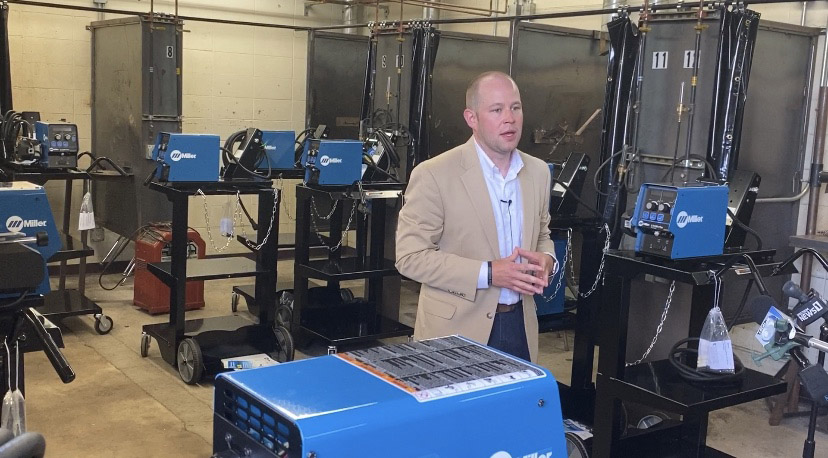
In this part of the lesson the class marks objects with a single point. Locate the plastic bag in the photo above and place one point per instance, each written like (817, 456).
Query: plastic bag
(86, 221)
(715, 347)
(226, 224)
(13, 415)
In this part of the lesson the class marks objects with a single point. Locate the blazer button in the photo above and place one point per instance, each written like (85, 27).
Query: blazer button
(490, 315)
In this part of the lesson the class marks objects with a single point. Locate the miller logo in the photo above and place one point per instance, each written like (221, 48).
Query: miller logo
(16, 223)
(325, 160)
(683, 219)
(178, 155)
(503, 454)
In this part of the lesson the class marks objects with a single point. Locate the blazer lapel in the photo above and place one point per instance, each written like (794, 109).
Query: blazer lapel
(527, 195)
(478, 193)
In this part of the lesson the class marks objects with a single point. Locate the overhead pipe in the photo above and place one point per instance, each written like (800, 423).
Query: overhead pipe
(817, 177)
(575, 13)
(181, 18)
(430, 13)
(352, 13)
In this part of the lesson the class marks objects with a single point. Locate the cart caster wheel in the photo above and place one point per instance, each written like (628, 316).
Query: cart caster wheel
(103, 324)
(575, 447)
(284, 316)
(347, 295)
(234, 302)
(284, 343)
(190, 362)
(145, 344)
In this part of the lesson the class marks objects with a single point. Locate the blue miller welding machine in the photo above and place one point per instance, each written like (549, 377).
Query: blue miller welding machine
(25, 211)
(445, 397)
(186, 157)
(332, 162)
(58, 144)
(280, 148)
(680, 222)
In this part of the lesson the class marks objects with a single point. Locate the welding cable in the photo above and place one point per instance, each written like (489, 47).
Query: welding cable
(253, 224)
(677, 359)
(228, 157)
(577, 198)
(369, 161)
(121, 244)
(741, 304)
(746, 228)
(11, 306)
(598, 172)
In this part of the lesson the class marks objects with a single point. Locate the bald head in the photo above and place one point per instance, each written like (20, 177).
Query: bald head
(473, 91)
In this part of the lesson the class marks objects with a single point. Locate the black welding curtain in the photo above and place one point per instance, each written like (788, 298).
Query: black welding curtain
(5, 64)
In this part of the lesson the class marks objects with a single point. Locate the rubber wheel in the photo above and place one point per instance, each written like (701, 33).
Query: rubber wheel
(145, 344)
(347, 295)
(575, 447)
(284, 316)
(234, 302)
(103, 324)
(284, 344)
(650, 420)
(190, 362)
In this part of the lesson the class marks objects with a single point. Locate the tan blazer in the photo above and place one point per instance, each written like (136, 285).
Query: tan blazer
(446, 228)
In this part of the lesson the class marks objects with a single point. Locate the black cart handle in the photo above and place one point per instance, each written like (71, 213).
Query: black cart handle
(59, 362)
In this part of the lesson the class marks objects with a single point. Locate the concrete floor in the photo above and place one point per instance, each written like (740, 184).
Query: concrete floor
(124, 405)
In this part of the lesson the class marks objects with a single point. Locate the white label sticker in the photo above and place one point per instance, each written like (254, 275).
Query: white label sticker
(660, 60)
(689, 58)
(170, 52)
(86, 221)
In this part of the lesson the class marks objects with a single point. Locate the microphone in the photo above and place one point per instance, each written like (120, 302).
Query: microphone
(811, 310)
(507, 202)
(791, 289)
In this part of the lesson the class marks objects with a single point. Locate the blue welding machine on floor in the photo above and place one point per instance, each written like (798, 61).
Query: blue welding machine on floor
(445, 397)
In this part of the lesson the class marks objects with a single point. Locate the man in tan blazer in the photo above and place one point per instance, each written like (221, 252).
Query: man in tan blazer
(474, 229)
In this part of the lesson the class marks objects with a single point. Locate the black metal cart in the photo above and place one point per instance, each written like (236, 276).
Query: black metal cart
(329, 317)
(654, 384)
(197, 347)
(64, 302)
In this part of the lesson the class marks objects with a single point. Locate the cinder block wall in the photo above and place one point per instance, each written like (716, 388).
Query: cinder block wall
(233, 76)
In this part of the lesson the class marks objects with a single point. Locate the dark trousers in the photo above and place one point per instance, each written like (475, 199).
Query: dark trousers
(509, 333)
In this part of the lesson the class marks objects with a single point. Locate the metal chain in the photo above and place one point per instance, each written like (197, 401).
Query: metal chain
(660, 325)
(563, 267)
(272, 219)
(236, 218)
(316, 210)
(280, 185)
(347, 226)
(600, 273)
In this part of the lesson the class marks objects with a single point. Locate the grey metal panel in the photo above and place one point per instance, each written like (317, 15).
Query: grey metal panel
(392, 91)
(121, 125)
(336, 75)
(561, 75)
(675, 35)
(460, 57)
(161, 49)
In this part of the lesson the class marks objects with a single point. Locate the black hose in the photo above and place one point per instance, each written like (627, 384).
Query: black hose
(578, 198)
(677, 360)
(18, 301)
(746, 228)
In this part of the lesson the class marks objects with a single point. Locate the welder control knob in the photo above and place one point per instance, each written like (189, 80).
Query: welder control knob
(650, 205)
(664, 207)
(57, 137)
(67, 137)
